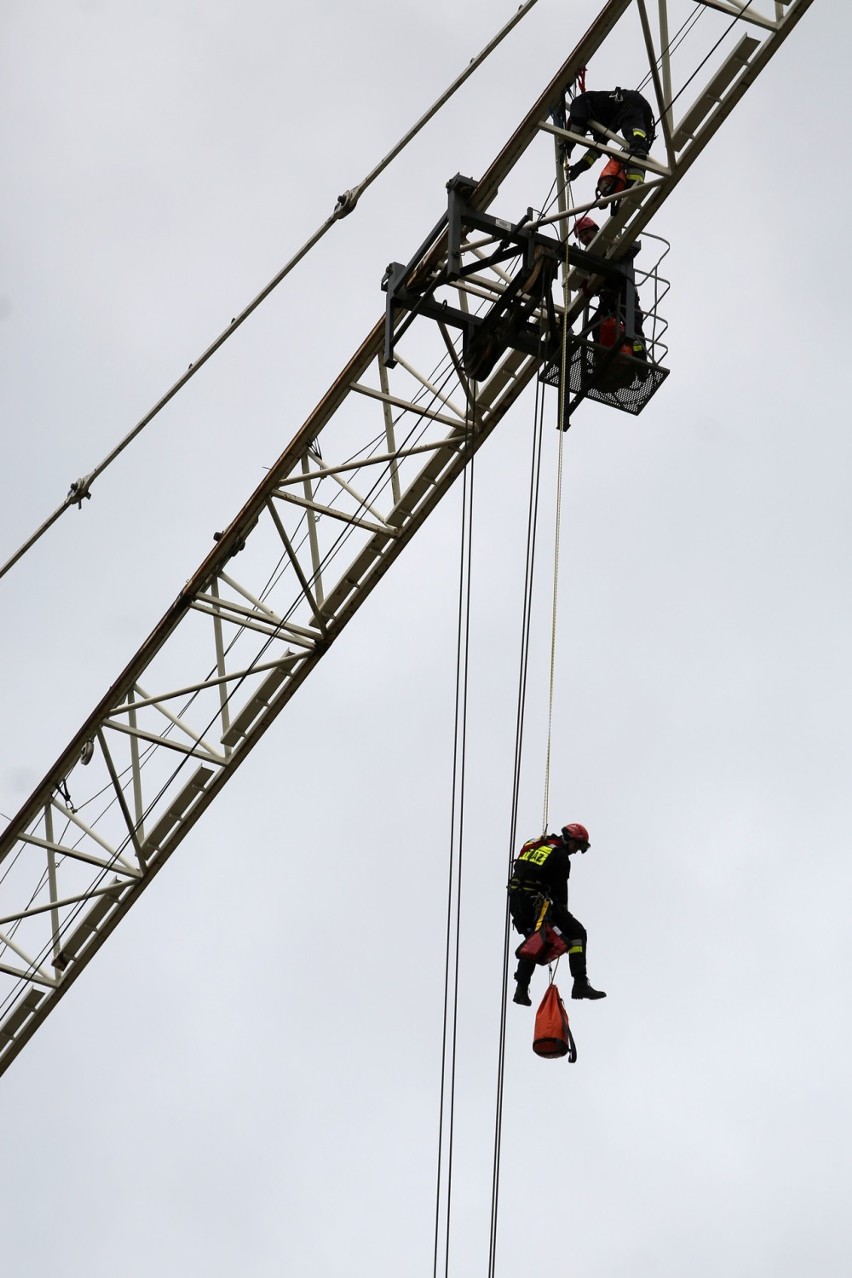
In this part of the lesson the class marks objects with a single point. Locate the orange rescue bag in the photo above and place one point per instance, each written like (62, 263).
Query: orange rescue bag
(613, 179)
(552, 1031)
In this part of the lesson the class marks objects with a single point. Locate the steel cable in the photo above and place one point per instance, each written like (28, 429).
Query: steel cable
(526, 618)
(446, 1124)
(563, 424)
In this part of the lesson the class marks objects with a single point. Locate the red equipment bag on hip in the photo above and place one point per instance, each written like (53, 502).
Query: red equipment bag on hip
(612, 371)
(552, 1032)
(542, 946)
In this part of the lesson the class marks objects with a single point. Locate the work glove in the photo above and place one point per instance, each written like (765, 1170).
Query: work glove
(578, 169)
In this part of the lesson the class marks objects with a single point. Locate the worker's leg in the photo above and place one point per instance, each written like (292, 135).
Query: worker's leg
(523, 976)
(639, 347)
(636, 128)
(576, 938)
(523, 917)
(634, 170)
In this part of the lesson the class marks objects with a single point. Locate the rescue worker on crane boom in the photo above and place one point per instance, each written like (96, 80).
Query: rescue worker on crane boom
(611, 300)
(540, 872)
(623, 110)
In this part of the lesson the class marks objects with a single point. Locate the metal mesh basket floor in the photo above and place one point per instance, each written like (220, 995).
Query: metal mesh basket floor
(607, 376)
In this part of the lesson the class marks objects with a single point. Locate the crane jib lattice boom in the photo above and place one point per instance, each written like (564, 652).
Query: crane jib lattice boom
(352, 487)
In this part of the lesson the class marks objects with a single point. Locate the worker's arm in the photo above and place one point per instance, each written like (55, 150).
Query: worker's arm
(582, 166)
(560, 868)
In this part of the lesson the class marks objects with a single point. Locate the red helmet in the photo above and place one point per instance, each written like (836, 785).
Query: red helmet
(576, 831)
(585, 224)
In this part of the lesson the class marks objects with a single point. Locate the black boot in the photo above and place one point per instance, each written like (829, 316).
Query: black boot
(523, 976)
(582, 989)
(522, 994)
(577, 964)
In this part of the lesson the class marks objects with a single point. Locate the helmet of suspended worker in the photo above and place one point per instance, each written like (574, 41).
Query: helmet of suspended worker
(585, 229)
(579, 832)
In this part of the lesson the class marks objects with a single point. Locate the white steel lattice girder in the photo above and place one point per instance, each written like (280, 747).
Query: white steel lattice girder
(351, 488)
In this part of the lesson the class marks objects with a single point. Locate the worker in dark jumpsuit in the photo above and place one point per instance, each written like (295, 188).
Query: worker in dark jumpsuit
(612, 298)
(619, 110)
(540, 871)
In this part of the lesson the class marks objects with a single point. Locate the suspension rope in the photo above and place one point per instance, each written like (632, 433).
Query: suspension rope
(81, 488)
(526, 619)
(446, 1120)
(563, 424)
(546, 812)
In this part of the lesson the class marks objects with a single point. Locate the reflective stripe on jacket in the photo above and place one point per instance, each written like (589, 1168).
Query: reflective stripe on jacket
(537, 851)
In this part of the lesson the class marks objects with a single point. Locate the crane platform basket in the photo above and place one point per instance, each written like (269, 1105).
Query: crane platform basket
(608, 376)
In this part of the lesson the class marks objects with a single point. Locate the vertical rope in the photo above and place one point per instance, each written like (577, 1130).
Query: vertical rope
(532, 522)
(563, 426)
(546, 813)
(446, 1104)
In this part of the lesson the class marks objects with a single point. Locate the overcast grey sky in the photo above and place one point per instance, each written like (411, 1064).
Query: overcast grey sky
(245, 1080)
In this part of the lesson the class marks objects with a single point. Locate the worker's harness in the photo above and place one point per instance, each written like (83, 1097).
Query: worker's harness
(545, 943)
(540, 901)
(543, 909)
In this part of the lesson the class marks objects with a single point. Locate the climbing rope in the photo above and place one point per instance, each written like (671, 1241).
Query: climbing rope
(80, 489)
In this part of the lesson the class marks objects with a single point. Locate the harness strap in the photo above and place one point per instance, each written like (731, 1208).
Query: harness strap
(545, 906)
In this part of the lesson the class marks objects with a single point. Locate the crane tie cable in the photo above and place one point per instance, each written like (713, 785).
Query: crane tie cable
(80, 489)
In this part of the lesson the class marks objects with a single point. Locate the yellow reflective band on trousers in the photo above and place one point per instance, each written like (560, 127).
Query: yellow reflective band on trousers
(536, 855)
(575, 949)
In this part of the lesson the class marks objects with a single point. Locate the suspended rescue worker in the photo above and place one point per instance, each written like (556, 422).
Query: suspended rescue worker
(540, 875)
(619, 110)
